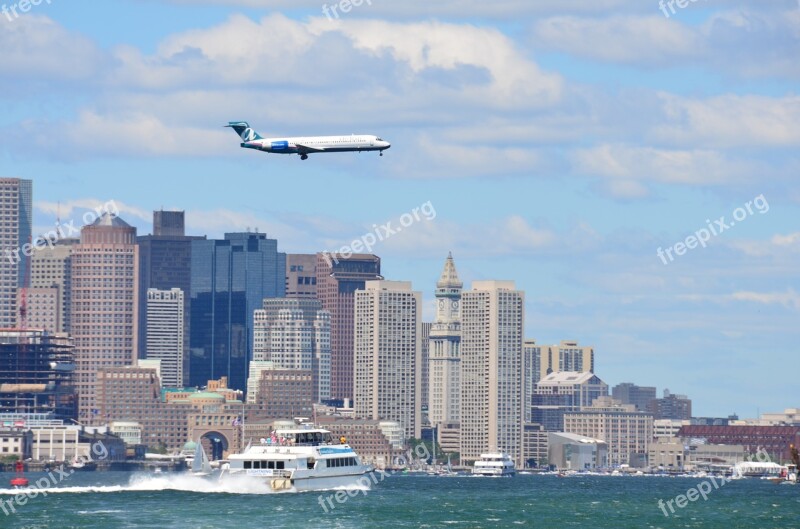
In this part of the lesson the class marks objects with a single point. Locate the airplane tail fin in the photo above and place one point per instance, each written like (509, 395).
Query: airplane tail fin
(244, 131)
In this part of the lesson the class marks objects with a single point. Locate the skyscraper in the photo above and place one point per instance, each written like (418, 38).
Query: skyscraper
(51, 268)
(165, 333)
(546, 359)
(294, 334)
(230, 278)
(301, 276)
(338, 278)
(542, 360)
(16, 204)
(105, 304)
(165, 262)
(388, 356)
(425, 375)
(445, 349)
(492, 316)
(639, 396)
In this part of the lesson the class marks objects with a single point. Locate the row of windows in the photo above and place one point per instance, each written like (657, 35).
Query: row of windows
(258, 465)
(342, 462)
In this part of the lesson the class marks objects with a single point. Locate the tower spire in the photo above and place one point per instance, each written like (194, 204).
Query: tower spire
(449, 278)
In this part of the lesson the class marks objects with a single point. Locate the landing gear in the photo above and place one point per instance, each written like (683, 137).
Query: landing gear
(381, 153)
(304, 157)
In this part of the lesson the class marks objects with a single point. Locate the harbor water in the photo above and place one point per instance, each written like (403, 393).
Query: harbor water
(105, 500)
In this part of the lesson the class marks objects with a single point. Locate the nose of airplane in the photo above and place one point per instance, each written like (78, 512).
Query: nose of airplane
(386, 145)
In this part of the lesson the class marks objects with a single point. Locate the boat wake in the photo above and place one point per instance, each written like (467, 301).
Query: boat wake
(165, 482)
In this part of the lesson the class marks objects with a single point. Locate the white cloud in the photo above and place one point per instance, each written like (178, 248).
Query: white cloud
(789, 299)
(627, 169)
(35, 48)
(729, 120)
(646, 40)
(747, 40)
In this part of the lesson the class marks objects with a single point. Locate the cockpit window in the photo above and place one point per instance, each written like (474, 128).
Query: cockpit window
(378, 139)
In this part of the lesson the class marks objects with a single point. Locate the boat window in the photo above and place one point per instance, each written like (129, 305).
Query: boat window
(248, 465)
(279, 465)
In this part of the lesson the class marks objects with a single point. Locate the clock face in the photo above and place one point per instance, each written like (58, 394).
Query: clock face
(455, 305)
(441, 303)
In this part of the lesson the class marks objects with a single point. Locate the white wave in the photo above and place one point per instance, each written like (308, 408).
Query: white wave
(147, 483)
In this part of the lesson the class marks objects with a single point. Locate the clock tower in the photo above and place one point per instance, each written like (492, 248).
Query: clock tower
(445, 353)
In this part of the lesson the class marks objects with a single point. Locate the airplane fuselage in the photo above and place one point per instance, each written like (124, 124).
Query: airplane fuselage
(308, 144)
(318, 144)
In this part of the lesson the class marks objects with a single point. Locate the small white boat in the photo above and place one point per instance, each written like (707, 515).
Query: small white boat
(753, 469)
(201, 466)
(495, 465)
(301, 460)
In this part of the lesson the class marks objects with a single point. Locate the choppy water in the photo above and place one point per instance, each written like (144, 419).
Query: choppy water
(120, 500)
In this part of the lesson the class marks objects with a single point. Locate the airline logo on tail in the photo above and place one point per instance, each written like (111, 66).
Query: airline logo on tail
(244, 131)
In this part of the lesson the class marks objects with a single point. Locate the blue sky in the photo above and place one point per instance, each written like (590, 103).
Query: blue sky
(560, 142)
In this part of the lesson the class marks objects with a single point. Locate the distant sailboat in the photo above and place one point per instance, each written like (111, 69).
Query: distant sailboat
(201, 466)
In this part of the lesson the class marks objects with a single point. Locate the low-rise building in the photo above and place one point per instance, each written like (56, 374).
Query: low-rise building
(627, 432)
(449, 437)
(562, 392)
(170, 418)
(18, 443)
(129, 432)
(668, 428)
(710, 455)
(775, 440)
(789, 417)
(535, 446)
(667, 453)
(575, 452)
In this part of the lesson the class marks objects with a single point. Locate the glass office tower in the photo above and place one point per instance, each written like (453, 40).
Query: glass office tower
(230, 279)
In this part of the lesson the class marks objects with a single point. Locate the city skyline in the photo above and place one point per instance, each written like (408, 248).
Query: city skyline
(430, 308)
(586, 151)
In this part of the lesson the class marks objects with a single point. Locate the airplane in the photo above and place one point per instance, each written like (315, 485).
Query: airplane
(307, 145)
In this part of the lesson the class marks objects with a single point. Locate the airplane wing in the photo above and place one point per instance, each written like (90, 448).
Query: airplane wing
(305, 149)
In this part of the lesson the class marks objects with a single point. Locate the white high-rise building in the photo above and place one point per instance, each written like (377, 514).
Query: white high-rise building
(165, 333)
(492, 370)
(16, 217)
(293, 334)
(388, 354)
(445, 350)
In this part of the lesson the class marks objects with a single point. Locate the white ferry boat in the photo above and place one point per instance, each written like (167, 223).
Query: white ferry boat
(496, 464)
(302, 460)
